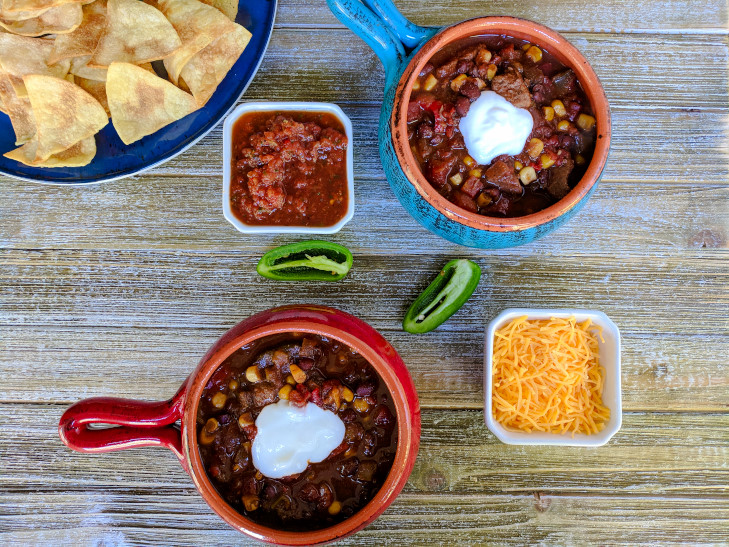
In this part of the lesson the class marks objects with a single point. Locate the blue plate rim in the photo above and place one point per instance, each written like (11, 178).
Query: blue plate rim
(175, 153)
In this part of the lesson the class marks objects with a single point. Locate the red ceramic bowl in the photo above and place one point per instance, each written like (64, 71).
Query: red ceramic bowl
(151, 424)
(555, 44)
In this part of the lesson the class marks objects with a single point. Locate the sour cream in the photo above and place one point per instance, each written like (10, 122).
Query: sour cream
(291, 437)
(493, 126)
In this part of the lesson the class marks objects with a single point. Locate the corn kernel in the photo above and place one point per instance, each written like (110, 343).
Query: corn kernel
(546, 161)
(534, 53)
(491, 71)
(518, 165)
(290, 380)
(535, 148)
(283, 393)
(527, 175)
(564, 125)
(259, 476)
(480, 83)
(347, 394)
(585, 122)
(483, 200)
(548, 112)
(233, 385)
(526, 46)
(416, 85)
(475, 173)
(469, 161)
(253, 375)
(334, 508)
(430, 82)
(245, 419)
(211, 425)
(298, 374)
(458, 81)
(483, 57)
(361, 406)
(219, 400)
(579, 159)
(559, 108)
(205, 438)
(250, 502)
(456, 179)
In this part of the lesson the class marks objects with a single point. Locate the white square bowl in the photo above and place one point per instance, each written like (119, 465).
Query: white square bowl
(609, 359)
(228, 168)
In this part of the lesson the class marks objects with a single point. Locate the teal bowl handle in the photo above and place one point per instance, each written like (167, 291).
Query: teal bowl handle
(370, 28)
(410, 34)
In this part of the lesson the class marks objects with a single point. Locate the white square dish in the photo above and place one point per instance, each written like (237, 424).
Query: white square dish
(227, 167)
(609, 359)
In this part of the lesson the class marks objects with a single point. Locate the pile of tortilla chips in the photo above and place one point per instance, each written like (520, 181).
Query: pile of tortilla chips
(66, 66)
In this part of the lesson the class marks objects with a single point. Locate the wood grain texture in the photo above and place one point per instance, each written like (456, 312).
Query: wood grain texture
(120, 288)
(669, 468)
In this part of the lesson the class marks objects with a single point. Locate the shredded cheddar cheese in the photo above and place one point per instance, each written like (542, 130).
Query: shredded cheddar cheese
(546, 376)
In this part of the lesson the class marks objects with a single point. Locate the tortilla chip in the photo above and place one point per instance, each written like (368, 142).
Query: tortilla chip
(58, 20)
(21, 55)
(228, 7)
(80, 67)
(136, 33)
(96, 89)
(64, 114)
(18, 110)
(29, 6)
(141, 102)
(82, 41)
(197, 24)
(204, 72)
(78, 155)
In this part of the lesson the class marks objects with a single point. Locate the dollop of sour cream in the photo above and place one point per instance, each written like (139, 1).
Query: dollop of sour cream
(291, 437)
(493, 126)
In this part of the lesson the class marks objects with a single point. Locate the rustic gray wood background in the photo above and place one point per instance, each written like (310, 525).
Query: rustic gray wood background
(119, 289)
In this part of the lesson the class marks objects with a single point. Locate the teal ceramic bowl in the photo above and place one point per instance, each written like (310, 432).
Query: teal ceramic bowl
(404, 48)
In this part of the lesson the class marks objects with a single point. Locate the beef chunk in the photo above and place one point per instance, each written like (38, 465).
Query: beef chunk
(438, 169)
(502, 174)
(472, 186)
(558, 176)
(465, 202)
(510, 85)
(264, 393)
(427, 69)
(413, 112)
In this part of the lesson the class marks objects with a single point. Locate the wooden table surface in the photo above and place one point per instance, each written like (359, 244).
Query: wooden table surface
(119, 289)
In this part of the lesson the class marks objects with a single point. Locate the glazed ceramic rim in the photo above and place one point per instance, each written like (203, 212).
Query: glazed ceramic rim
(387, 493)
(611, 347)
(556, 45)
(289, 106)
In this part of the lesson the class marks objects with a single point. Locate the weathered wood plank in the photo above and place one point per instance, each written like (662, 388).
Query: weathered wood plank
(671, 16)
(665, 455)
(182, 519)
(649, 219)
(145, 288)
(645, 72)
(96, 320)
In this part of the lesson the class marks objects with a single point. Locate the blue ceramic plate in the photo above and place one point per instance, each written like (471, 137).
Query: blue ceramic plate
(115, 160)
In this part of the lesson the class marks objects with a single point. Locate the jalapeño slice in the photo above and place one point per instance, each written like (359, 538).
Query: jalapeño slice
(306, 261)
(443, 297)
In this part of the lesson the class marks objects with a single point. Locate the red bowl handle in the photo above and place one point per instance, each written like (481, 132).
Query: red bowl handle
(138, 423)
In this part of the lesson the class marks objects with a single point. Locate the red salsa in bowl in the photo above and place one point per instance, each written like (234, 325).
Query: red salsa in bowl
(288, 168)
(301, 369)
(556, 153)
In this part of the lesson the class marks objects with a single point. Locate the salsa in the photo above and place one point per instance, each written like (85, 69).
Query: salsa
(556, 153)
(289, 169)
(302, 368)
